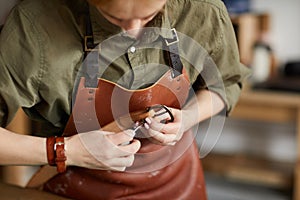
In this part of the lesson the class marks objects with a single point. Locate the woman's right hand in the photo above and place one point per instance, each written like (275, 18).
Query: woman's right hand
(102, 150)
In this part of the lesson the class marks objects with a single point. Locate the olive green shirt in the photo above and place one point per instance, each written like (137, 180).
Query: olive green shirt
(41, 53)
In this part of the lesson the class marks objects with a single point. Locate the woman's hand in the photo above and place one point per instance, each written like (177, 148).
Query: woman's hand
(102, 150)
(166, 134)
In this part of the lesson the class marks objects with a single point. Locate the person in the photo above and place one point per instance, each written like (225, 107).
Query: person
(43, 46)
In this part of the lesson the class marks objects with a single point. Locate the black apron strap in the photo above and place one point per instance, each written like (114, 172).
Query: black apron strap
(173, 54)
(91, 65)
(88, 38)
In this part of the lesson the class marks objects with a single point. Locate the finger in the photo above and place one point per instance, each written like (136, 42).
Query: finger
(158, 131)
(125, 150)
(153, 124)
(120, 169)
(131, 148)
(171, 143)
(163, 117)
(122, 137)
(160, 137)
(169, 128)
(121, 162)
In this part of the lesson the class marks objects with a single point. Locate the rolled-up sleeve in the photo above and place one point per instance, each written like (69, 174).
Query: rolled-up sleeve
(222, 71)
(226, 57)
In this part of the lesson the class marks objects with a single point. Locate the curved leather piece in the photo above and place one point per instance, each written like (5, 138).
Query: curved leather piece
(165, 172)
(116, 101)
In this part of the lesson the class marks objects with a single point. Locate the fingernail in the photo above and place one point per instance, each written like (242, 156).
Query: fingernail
(148, 120)
(146, 126)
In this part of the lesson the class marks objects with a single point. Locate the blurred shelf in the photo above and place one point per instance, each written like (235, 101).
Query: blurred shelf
(248, 29)
(267, 105)
(270, 106)
(249, 169)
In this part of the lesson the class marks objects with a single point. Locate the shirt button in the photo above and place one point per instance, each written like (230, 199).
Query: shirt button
(132, 49)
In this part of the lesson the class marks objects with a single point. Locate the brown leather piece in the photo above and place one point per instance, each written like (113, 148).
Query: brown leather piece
(60, 158)
(159, 172)
(50, 141)
(126, 121)
(116, 101)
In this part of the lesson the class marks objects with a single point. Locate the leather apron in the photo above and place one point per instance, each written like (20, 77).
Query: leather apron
(158, 172)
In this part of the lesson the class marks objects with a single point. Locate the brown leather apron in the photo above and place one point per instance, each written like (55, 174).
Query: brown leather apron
(158, 172)
(181, 179)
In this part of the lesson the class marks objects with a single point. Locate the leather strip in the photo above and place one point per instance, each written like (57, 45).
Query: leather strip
(91, 69)
(60, 159)
(89, 39)
(173, 54)
(91, 65)
(50, 141)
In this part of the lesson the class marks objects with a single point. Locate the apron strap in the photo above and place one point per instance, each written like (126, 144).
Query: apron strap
(88, 38)
(173, 54)
(91, 65)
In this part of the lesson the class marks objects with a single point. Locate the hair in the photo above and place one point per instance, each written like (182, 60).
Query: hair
(95, 2)
(102, 2)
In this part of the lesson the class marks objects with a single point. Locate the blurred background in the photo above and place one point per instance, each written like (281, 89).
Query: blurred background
(256, 157)
(258, 152)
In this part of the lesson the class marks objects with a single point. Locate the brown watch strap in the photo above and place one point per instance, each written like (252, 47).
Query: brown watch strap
(50, 141)
(60, 159)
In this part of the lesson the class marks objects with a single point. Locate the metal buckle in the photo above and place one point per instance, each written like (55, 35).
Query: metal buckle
(58, 143)
(174, 39)
(85, 42)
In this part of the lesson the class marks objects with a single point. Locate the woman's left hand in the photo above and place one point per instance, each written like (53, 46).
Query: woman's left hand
(166, 134)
